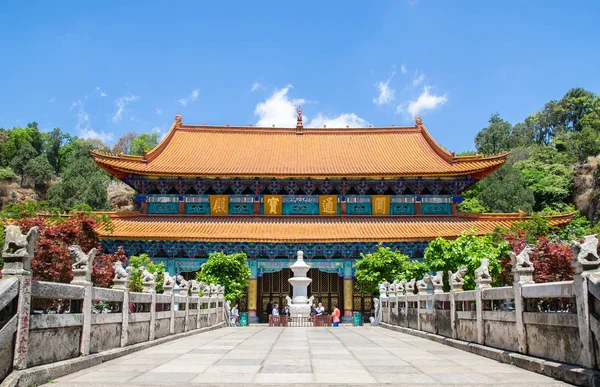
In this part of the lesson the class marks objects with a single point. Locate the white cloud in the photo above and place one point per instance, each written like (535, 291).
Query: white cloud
(158, 111)
(418, 80)
(425, 101)
(121, 103)
(191, 98)
(100, 92)
(341, 121)
(386, 94)
(256, 86)
(403, 69)
(278, 109)
(51, 100)
(84, 127)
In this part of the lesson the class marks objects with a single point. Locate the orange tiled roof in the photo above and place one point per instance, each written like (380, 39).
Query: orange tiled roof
(211, 151)
(286, 229)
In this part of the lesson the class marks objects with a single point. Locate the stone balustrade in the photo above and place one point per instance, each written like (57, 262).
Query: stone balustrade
(557, 321)
(29, 337)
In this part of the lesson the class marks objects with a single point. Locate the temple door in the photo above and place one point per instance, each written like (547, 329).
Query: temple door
(273, 287)
(326, 288)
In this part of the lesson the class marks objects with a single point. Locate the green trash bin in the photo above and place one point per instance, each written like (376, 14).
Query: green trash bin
(357, 319)
(244, 319)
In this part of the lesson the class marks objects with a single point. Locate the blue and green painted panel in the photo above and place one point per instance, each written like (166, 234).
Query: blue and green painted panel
(241, 204)
(402, 205)
(358, 205)
(163, 208)
(436, 205)
(300, 205)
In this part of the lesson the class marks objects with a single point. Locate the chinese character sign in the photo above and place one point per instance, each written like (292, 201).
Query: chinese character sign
(273, 204)
(219, 204)
(328, 204)
(381, 205)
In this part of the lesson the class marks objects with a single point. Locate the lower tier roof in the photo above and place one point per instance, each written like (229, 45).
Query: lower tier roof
(314, 229)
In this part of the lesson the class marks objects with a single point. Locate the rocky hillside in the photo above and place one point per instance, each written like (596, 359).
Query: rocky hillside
(587, 189)
(121, 197)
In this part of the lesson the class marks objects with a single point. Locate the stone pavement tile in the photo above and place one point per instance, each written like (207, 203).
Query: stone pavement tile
(284, 378)
(278, 369)
(224, 379)
(140, 361)
(441, 369)
(330, 356)
(320, 369)
(100, 376)
(391, 369)
(118, 367)
(226, 362)
(330, 352)
(337, 362)
(164, 377)
(227, 369)
(204, 351)
(466, 378)
(390, 361)
(163, 356)
(522, 377)
(406, 379)
(335, 378)
(178, 367)
(286, 361)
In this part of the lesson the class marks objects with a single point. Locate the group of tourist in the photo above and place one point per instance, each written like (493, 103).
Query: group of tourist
(315, 310)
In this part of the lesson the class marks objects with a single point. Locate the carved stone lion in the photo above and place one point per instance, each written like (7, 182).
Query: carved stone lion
(18, 250)
(410, 286)
(183, 284)
(79, 259)
(438, 278)
(220, 289)
(194, 288)
(168, 281)
(383, 288)
(213, 290)
(458, 278)
(120, 272)
(146, 275)
(586, 253)
(522, 260)
(392, 289)
(422, 283)
(483, 271)
(205, 289)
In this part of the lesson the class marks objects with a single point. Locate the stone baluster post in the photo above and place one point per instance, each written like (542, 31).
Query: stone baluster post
(149, 284)
(456, 281)
(18, 251)
(82, 276)
(586, 263)
(522, 274)
(121, 282)
(483, 280)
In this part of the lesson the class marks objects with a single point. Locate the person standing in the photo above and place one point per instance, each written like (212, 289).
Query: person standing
(336, 315)
(270, 307)
(235, 315)
(275, 315)
(320, 309)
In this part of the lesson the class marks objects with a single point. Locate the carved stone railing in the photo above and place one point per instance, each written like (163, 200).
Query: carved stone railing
(557, 321)
(89, 319)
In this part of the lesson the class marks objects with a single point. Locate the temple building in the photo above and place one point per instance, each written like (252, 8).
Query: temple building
(333, 193)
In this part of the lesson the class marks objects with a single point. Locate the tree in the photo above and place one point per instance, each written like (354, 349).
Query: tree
(142, 260)
(143, 142)
(472, 205)
(39, 170)
(104, 271)
(494, 138)
(82, 181)
(549, 175)
(54, 141)
(123, 145)
(230, 271)
(25, 154)
(385, 265)
(466, 250)
(505, 191)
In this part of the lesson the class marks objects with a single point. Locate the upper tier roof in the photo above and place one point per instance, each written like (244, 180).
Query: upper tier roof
(226, 151)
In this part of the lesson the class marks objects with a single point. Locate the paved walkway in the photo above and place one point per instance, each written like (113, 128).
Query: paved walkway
(347, 355)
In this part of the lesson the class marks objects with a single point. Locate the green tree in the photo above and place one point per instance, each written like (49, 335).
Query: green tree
(467, 250)
(505, 191)
(472, 205)
(39, 170)
(25, 154)
(142, 260)
(385, 265)
(53, 142)
(494, 138)
(549, 175)
(143, 142)
(231, 271)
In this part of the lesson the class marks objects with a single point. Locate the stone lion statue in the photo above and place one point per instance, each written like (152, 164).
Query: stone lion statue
(194, 288)
(392, 289)
(80, 260)
(422, 283)
(438, 278)
(213, 290)
(168, 281)
(586, 252)
(120, 272)
(205, 289)
(18, 245)
(483, 271)
(522, 260)
(402, 286)
(146, 275)
(458, 278)
(220, 289)
(183, 284)
(410, 286)
(383, 287)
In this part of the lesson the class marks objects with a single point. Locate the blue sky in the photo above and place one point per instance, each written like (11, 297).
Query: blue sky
(100, 69)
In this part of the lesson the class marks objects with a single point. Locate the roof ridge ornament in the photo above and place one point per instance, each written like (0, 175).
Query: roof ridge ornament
(419, 121)
(178, 118)
(299, 125)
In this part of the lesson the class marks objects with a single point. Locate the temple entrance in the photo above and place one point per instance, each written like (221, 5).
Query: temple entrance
(327, 288)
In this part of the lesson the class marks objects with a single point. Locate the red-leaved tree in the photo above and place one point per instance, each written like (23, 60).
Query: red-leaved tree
(104, 271)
